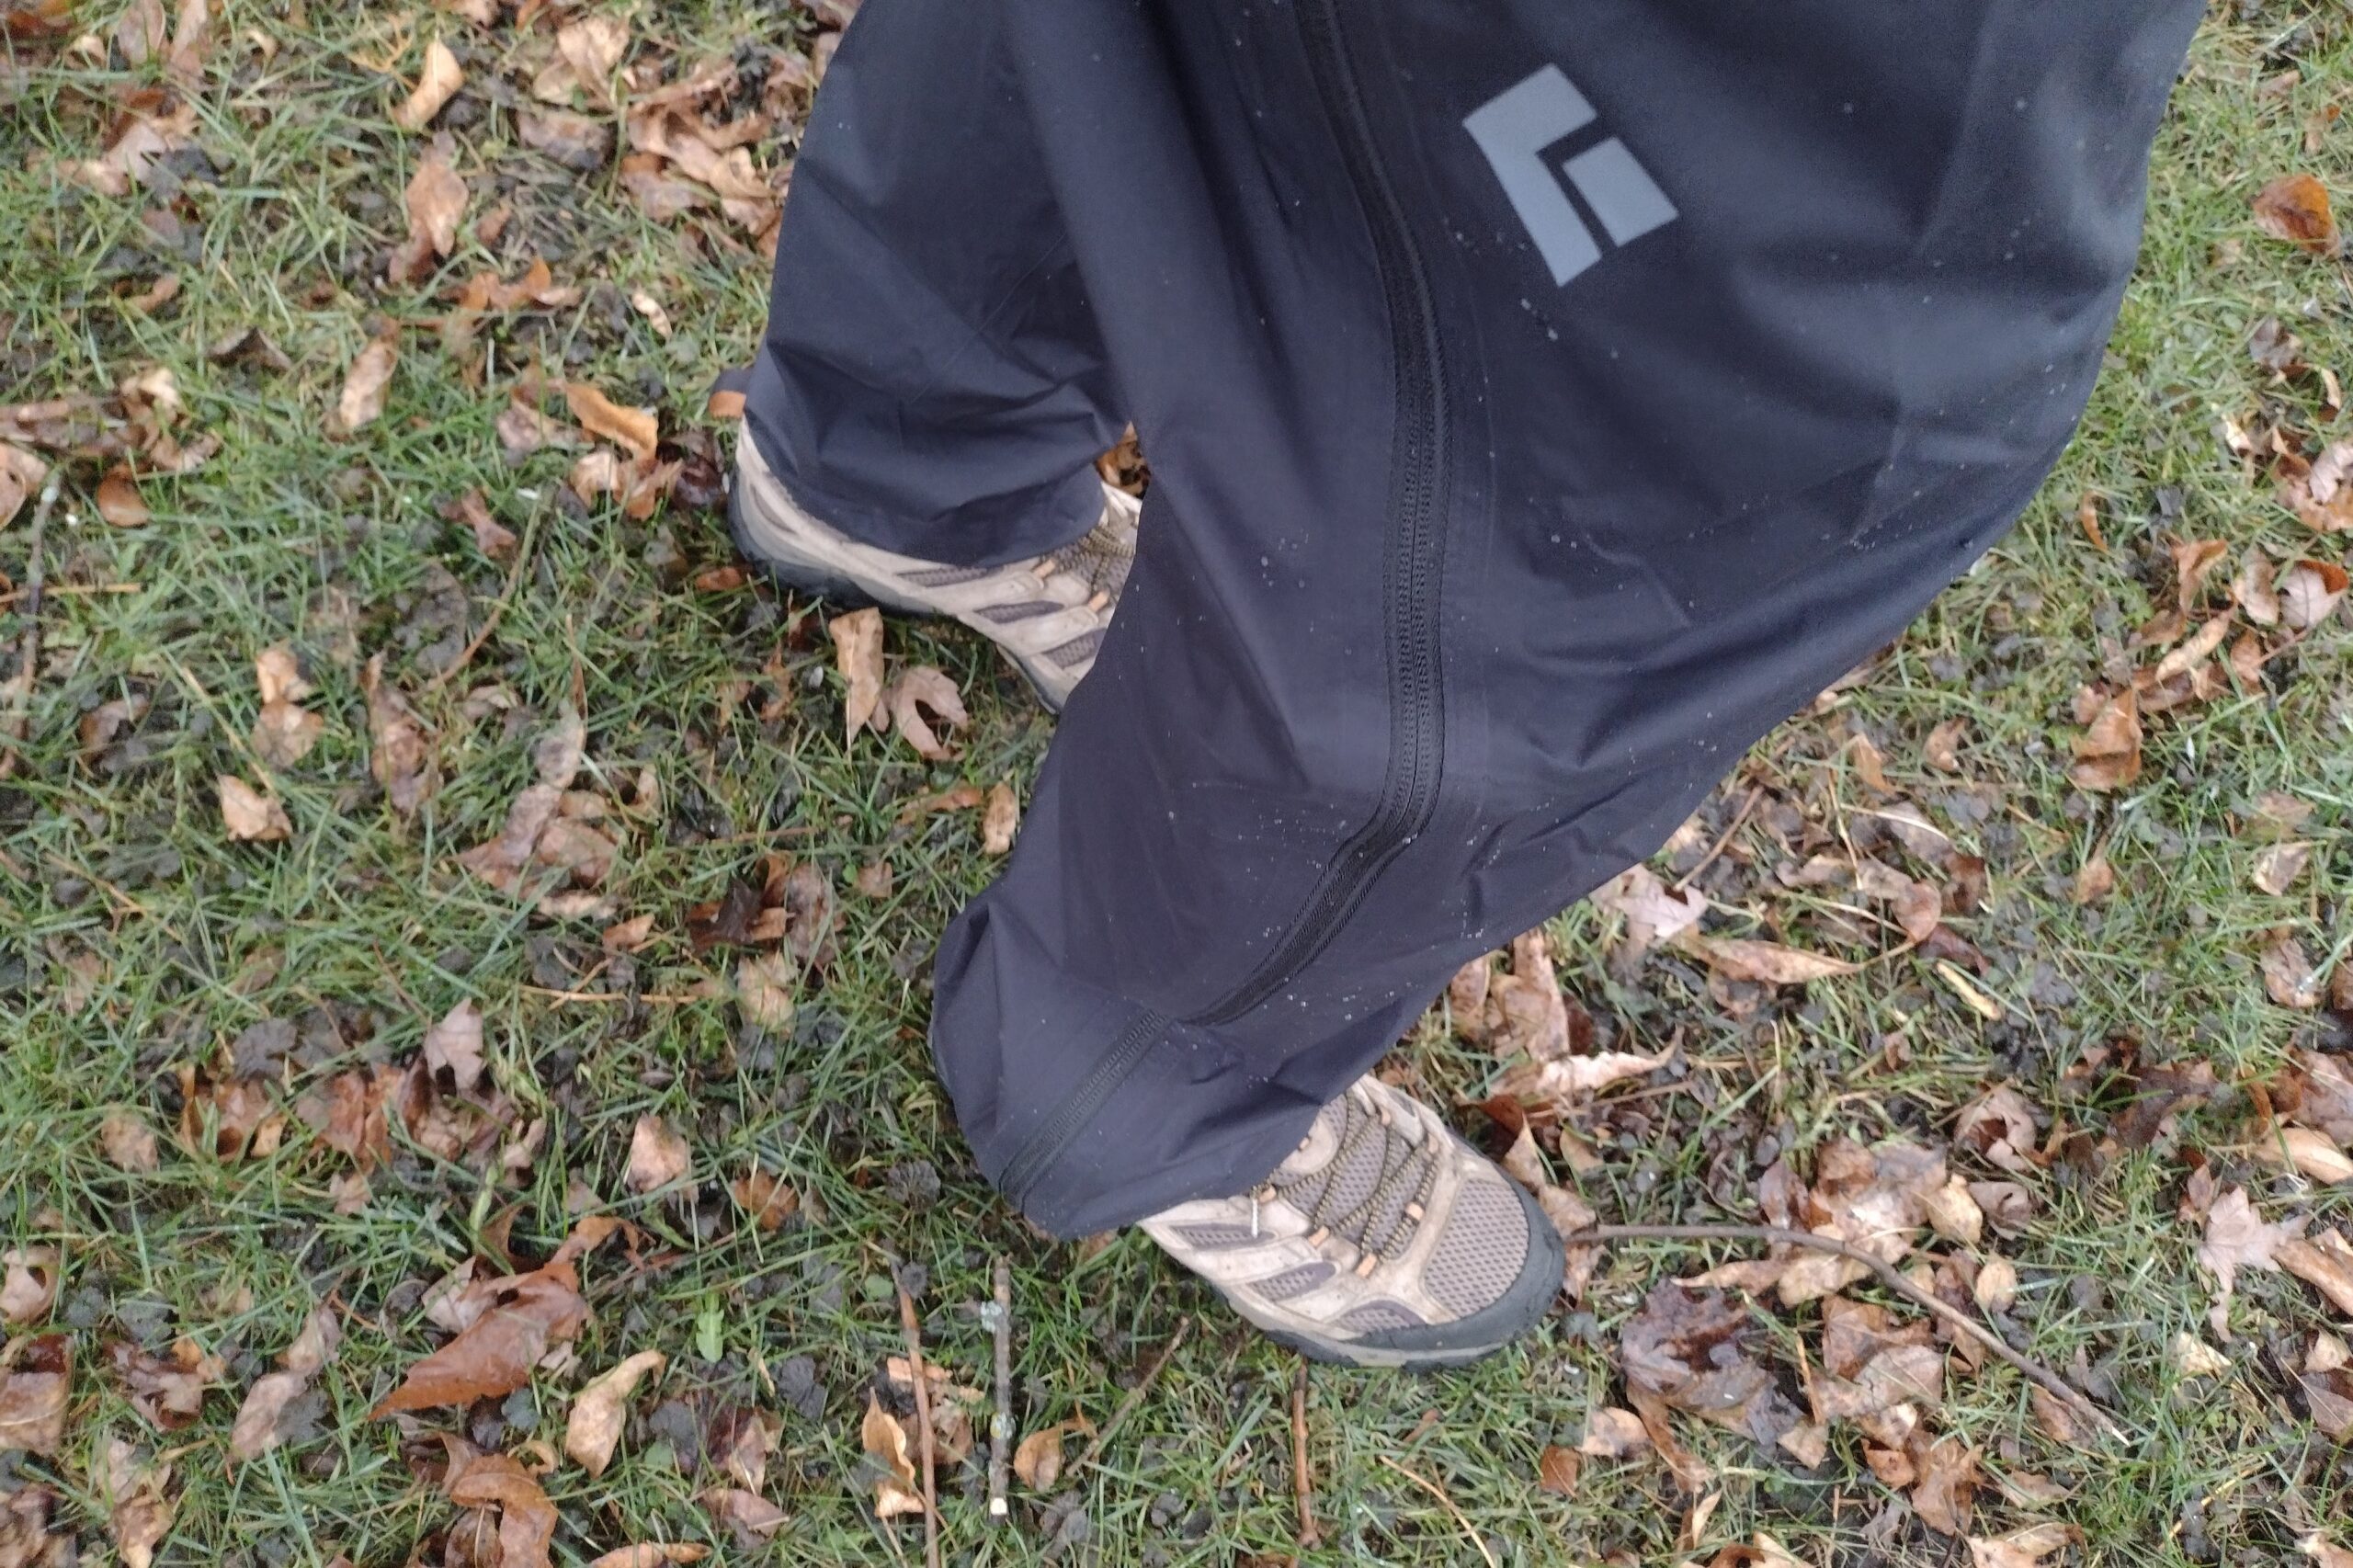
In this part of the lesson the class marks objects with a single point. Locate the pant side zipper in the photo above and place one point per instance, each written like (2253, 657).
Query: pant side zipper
(1413, 566)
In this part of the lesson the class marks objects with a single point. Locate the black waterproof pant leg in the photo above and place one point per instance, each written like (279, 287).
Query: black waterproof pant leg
(1542, 401)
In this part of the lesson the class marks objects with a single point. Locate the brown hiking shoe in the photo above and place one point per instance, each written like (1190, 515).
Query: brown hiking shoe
(1384, 1241)
(1049, 614)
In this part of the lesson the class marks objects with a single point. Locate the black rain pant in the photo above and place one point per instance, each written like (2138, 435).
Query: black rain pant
(1542, 398)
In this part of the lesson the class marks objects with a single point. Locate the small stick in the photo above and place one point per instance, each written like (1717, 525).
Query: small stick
(1302, 1480)
(2033, 1369)
(74, 590)
(914, 1332)
(1435, 1490)
(1001, 1423)
(19, 726)
(1102, 1443)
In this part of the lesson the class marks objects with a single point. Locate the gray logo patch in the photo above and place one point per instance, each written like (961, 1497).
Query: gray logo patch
(1516, 126)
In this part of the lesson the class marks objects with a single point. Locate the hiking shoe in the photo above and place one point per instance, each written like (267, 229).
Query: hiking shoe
(1049, 613)
(1383, 1241)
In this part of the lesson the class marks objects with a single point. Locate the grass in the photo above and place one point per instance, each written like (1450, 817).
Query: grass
(135, 938)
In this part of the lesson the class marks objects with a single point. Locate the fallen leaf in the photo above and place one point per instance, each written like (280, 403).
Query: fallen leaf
(896, 1492)
(527, 1519)
(2095, 879)
(250, 816)
(1948, 1481)
(400, 752)
(436, 198)
(2193, 1357)
(127, 1142)
(2193, 559)
(1611, 1433)
(2276, 868)
(1768, 962)
(1999, 1125)
(36, 1374)
(2295, 208)
(1689, 1351)
(592, 47)
(2324, 1262)
(769, 1199)
(2023, 1548)
(2308, 1150)
(2237, 1237)
(1652, 914)
(139, 1507)
(436, 86)
(2288, 976)
(2107, 753)
(2309, 593)
(1000, 819)
(362, 398)
(636, 430)
(576, 140)
(256, 1429)
(657, 1156)
(1557, 1470)
(764, 987)
(751, 1517)
(1038, 1460)
(454, 1046)
(168, 1389)
(858, 654)
(21, 476)
(494, 538)
(1575, 1077)
(519, 1320)
(1996, 1285)
(594, 1428)
(119, 501)
(27, 1283)
(2316, 1547)
(654, 1554)
(919, 689)
(649, 307)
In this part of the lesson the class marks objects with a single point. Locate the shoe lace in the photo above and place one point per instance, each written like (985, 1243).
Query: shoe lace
(1388, 1214)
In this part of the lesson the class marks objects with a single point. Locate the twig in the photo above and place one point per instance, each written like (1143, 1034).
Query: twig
(1102, 1443)
(1001, 1423)
(497, 610)
(1435, 1490)
(74, 590)
(1756, 793)
(2035, 1370)
(19, 726)
(914, 1332)
(1303, 1481)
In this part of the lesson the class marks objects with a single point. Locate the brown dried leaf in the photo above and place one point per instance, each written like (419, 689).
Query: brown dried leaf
(127, 1142)
(769, 1199)
(1948, 1481)
(1038, 1460)
(1612, 1434)
(636, 430)
(139, 1507)
(2288, 976)
(20, 476)
(119, 501)
(2295, 208)
(2237, 1237)
(436, 86)
(2097, 879)
(454, 1046)
(2276, 868)
(400, 750)
(167, 1390)
(36, 1373)
(1999, 1125)
(594, 1428)
(2109, 752)
(28, 1278)
(751, 1516)
(2022, 1548)
(657, 1156)
(655, 1553)
(527, 1519)
(1688, 1351)
(858, 654)
(2324, 1262)
(2193, 559)
(896, 1491)
(2309, 593)
(436, 198)
(764, 987)
(519, 1320)
(1768, 962)
(920, 688)
(1000, 819)
(256, 1431)
(576, 140)
(250, 816)
(362, 398)
(1652, 914)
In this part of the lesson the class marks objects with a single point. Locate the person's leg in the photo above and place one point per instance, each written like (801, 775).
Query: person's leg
(930, 393)
(1543, 401)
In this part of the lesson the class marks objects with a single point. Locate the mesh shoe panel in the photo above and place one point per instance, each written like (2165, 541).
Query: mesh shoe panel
(1479, 1252)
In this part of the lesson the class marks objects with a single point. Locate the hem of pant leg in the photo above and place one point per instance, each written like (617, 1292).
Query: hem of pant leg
(1075, 502)
(1069, 1216)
